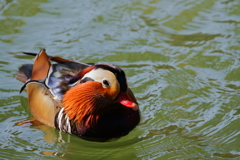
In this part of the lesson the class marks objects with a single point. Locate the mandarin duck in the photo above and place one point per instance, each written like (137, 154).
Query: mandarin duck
(90, 101)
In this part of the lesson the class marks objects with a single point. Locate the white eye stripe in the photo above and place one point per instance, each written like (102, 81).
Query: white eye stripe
(100, 75)
(107, 79)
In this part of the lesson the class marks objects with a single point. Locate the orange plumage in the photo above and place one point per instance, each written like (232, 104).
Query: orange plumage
(83, 100)
(89, 101)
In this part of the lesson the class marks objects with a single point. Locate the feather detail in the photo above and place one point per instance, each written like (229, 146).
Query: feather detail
(83, 103)
(41, 66)
(58, 59)
(24, 72)
(55, 59)
(81, 74)
(62, 122)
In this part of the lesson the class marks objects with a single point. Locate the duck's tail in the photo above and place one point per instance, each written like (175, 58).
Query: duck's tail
(24, 73)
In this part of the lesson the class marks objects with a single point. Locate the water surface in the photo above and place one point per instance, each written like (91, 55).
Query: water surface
(181, 59)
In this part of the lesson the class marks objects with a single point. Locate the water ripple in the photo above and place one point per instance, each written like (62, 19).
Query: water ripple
(182, 63)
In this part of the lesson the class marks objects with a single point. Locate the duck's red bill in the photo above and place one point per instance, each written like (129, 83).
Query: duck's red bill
(125, 99)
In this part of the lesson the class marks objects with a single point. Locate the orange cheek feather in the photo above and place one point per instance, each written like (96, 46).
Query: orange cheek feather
(82, 102)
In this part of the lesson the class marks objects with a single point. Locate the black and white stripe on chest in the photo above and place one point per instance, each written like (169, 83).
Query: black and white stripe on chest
(62, 122)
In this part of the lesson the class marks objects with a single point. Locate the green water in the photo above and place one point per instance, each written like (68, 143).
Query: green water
(181, 57)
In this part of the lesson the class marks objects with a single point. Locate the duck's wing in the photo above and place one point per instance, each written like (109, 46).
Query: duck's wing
(56, 76)
(46, 83)
(42, 66)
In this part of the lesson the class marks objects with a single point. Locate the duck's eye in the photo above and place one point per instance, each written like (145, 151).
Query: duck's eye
(105, 83)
